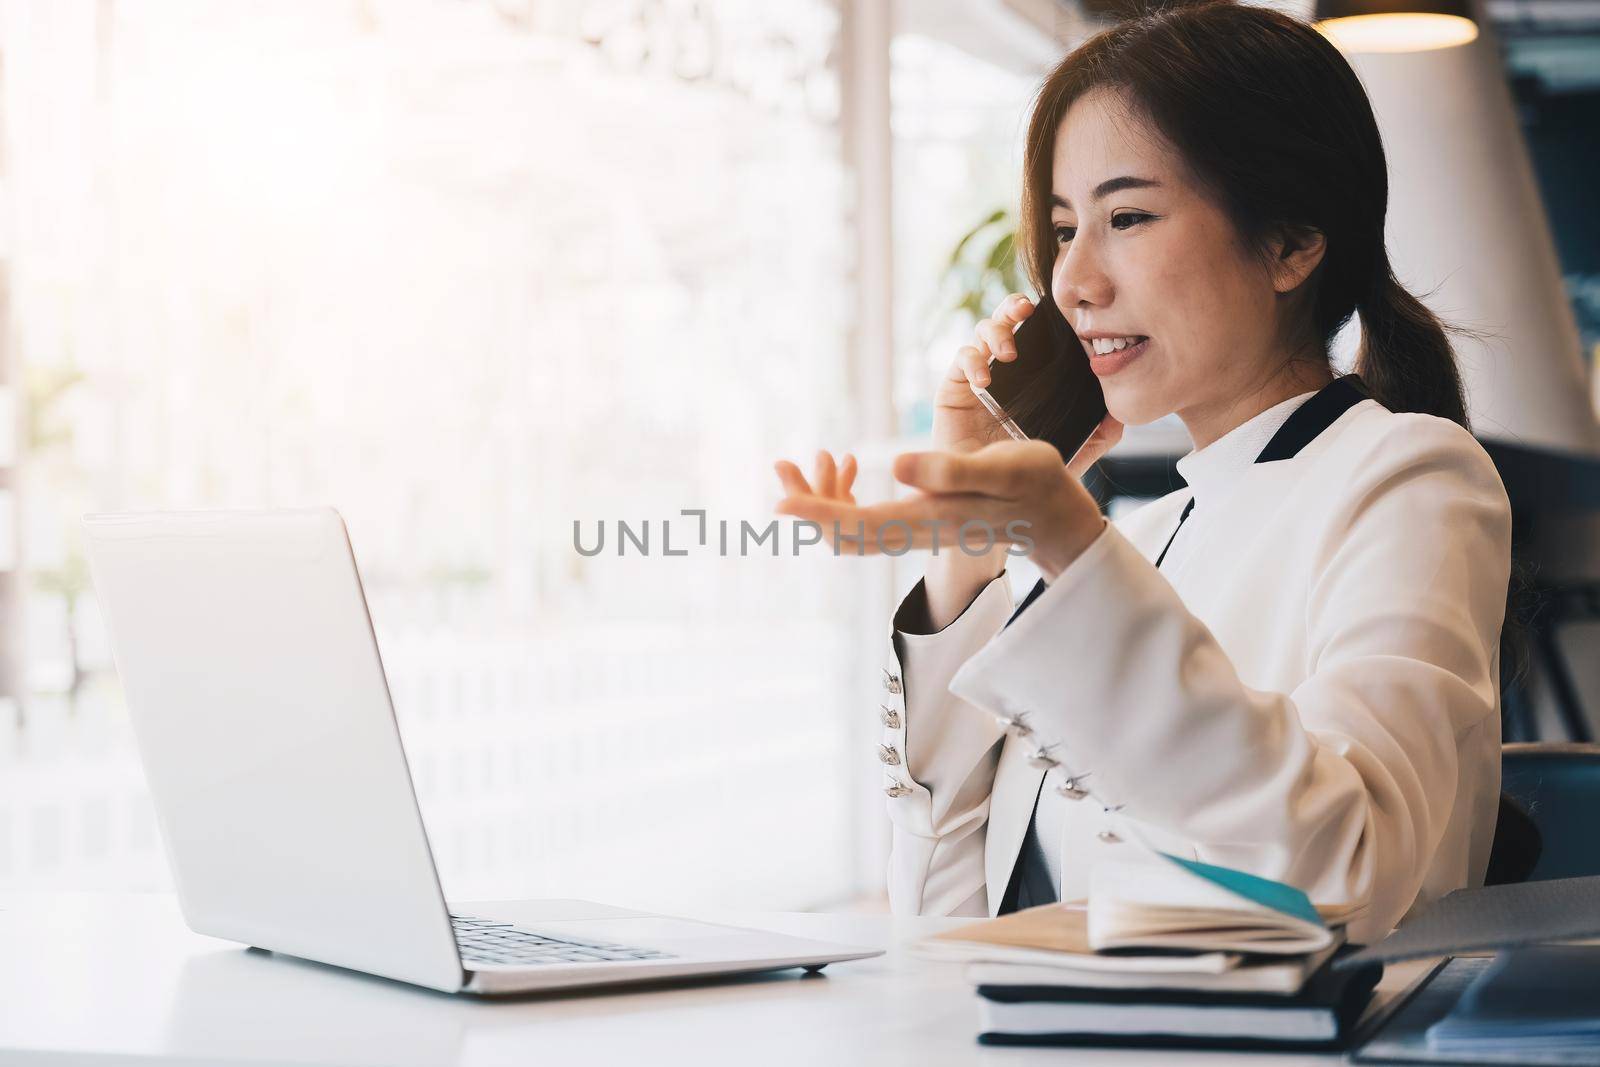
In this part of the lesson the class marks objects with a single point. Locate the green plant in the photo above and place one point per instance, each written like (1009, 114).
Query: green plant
(981, 269)
(983, 266)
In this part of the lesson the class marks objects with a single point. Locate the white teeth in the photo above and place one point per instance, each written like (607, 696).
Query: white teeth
(1106, 345)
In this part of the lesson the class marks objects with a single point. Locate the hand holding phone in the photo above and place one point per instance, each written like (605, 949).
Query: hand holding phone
(1048, 392)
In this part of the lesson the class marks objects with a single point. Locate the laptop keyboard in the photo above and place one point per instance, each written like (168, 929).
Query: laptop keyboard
(487, 941)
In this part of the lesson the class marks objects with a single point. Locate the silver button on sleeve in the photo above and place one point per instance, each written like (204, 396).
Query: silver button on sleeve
(1071, 789)
(888, 756)
(1015, 723)
(891, 682)
(897, 790)
(1042, 759)
(891, 717)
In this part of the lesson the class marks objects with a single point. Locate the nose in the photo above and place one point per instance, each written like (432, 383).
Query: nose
(1079, 280)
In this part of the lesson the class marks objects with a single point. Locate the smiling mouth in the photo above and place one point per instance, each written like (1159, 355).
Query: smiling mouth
(1110, 346)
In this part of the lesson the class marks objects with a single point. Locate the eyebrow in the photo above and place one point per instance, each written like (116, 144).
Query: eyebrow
(1106, 188)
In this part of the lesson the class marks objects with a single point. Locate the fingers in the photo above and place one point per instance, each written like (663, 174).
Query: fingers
(1012, 310)
(921, 522)
(794, 483)
(973, 363)
(827, 474)
(941, 472)
(994, 340)
(830, 480)
(997, 331)
(1105, 435)
(997, 338)
(1002, 470)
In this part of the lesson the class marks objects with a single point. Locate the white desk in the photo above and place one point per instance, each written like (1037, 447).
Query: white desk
(119, 979)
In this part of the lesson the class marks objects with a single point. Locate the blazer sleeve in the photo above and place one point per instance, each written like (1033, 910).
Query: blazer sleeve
(1343, 786)
(947, 752)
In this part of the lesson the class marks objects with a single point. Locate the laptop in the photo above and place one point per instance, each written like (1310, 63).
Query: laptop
(264, 723)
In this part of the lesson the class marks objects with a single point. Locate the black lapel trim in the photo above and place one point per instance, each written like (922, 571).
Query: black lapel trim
(1298, 430)
(1033, 594)
(1186, 509)
(1027, 881)
(1314, 416)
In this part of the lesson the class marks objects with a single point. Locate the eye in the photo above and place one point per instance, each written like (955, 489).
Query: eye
(1129, 219)
(1064, 233)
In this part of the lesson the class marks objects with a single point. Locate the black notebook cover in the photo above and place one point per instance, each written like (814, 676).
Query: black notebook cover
(1345, 993)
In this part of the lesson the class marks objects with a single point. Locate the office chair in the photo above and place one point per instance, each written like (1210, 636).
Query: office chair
(1550, 796)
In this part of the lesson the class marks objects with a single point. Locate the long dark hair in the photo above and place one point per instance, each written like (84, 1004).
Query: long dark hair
(1271, 118)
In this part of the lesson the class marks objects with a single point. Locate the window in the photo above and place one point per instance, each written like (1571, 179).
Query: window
(471, 272)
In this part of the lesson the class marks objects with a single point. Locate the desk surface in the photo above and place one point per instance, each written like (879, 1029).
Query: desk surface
(95, 979)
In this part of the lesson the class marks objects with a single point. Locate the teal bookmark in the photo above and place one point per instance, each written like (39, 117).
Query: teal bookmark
(1264, 891)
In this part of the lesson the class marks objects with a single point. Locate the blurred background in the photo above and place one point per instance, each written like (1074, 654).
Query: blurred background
(474, 271)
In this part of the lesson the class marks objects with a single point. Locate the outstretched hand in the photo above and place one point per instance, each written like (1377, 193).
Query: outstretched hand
(1009, 492)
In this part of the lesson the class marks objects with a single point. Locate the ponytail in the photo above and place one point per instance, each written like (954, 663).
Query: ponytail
(1405, 357)
(1406, 360)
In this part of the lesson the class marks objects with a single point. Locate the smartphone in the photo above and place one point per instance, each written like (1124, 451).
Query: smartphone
(1048, 393)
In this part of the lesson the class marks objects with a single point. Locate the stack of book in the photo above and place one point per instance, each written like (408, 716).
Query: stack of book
(1173, 953)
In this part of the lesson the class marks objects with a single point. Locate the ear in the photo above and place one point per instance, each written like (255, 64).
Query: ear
(1296, 251)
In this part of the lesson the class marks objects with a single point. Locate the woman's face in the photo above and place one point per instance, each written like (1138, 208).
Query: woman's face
(1143, 252)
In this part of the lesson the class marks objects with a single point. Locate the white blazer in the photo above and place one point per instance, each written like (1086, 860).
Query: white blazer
(1314, 697)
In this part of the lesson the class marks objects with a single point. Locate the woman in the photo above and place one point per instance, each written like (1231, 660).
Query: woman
(1288, 666)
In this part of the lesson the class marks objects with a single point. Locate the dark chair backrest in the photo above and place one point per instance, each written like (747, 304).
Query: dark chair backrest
(1549, 807)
